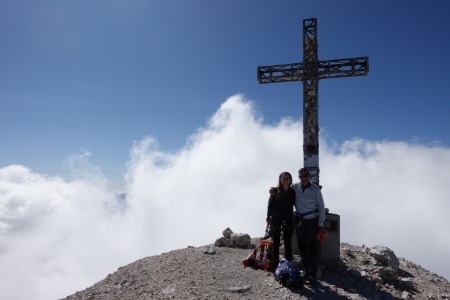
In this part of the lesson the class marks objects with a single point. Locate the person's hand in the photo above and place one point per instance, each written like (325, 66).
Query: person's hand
(322, 234)
(273, 191)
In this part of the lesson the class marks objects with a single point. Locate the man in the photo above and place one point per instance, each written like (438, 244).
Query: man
(310, 206)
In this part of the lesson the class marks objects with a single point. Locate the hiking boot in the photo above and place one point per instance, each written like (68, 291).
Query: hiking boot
(275, 265)
(272, 269)
(312, 283)
(310, 280)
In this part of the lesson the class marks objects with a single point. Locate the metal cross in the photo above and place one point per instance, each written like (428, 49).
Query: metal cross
(310, 71)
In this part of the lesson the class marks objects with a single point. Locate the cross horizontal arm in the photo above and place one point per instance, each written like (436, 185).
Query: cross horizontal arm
(346, 67)
(280, 73)
(358, 66)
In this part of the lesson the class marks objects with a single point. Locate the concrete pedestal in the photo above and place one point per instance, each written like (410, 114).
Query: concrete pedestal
(329, 249)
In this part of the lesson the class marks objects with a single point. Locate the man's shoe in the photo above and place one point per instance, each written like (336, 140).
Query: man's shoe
(312, 283)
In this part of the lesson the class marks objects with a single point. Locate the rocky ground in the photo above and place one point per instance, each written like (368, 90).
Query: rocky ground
(217, 273)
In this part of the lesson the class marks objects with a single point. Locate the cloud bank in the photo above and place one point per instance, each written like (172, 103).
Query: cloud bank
(58, 236)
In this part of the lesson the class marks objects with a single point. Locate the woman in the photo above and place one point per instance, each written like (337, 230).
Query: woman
(279, 216)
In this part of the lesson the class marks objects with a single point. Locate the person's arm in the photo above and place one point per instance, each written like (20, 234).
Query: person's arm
(292, 200)
(321, 207)
(270, 208)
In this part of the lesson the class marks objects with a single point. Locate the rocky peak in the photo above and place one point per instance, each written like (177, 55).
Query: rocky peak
(216, 272)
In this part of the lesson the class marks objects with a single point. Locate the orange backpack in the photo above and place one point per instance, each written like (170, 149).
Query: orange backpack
(261, 257)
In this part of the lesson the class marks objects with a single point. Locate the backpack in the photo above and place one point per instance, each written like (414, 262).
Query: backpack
(288, 275)
(261, 257)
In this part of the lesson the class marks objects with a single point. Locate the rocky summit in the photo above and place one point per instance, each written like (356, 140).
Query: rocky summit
(216, 272)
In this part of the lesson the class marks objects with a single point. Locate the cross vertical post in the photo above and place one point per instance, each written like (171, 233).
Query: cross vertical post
(310, 71)
(310, 99)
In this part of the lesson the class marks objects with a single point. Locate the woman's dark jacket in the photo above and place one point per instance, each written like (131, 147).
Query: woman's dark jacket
(281, 205)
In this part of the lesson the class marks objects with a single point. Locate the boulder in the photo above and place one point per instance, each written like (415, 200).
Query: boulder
(220, 242)
(388, 274)
(227, 233)
(385, 256)
(229, 243)
(209, 250)
(242, 240)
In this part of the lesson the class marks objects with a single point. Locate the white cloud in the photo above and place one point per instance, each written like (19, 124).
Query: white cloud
(393, 194)
(68, 234)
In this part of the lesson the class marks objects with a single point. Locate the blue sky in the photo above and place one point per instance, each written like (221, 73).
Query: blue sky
(159, 99)
(98, 75)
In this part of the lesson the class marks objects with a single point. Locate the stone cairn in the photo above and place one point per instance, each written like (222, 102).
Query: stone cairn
(231, 239)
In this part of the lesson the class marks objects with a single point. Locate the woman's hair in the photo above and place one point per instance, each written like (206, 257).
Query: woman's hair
(280, 189)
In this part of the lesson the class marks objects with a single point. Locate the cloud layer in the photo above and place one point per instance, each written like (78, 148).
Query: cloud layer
(58, 236)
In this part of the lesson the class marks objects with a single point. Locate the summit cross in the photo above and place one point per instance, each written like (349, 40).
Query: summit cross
(310, 71)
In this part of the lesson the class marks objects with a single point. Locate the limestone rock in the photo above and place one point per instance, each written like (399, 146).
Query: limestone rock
(229, 243)
(209, 250)
(227, 233)
(220, 242)
(388, 274)
(242, 240)
(385, 256)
